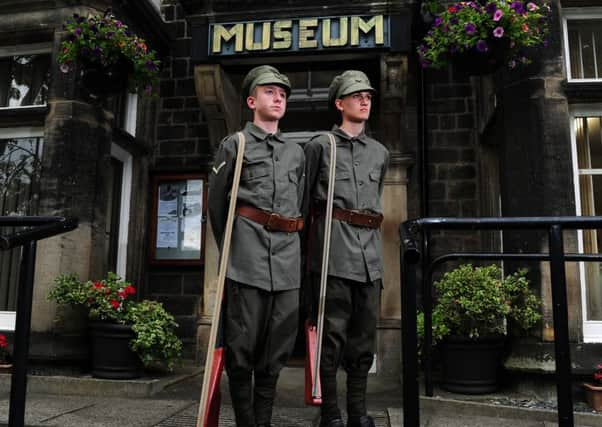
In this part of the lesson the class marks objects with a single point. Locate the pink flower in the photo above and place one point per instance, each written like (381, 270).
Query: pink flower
(498, 15)
(532, 6)
(498, 32)
(525, 28)
(64, 68)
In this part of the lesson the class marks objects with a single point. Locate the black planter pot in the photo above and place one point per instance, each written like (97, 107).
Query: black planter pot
(470, 366)
(473, 62)
(108, 80)
(112, 357)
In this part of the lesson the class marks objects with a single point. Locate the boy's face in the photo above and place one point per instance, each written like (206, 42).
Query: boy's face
(355, 107)
(268, 102)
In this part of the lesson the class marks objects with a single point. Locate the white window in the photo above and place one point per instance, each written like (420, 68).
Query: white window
(586, 135)
(20, 153)
(122, 167)
(24, 75)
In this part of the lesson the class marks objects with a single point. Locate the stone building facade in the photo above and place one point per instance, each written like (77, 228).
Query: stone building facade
(507, 143)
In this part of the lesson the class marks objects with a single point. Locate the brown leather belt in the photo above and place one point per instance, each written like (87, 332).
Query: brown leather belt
(271, 221)
(353, 217)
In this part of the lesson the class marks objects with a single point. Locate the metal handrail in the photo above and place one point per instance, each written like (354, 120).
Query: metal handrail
(411, 256)
(39, 228)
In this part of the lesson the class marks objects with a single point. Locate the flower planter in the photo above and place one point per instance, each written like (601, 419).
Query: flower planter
(593, 395)
(470, 366)
(6, 368)
(103, 81)
(112, 357)
(474, 62)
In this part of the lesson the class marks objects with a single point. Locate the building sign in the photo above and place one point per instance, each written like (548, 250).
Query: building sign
(299, 35)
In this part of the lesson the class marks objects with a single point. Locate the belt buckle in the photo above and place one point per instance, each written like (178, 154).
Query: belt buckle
(273, 217)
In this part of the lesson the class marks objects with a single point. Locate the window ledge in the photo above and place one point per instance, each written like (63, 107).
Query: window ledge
(583, 91)
(23, 116)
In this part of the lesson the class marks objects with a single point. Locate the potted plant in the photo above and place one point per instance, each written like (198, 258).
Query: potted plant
(124, 333)
(6, 360)
(110, 57)
(481, 36)
(593, 392)
(474, 309)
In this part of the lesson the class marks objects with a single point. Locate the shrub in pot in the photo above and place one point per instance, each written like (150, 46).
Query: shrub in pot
(474, 309)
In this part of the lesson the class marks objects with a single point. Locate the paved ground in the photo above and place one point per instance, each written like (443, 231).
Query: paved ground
(107, 404)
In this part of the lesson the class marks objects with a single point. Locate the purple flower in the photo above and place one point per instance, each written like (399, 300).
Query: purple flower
(438, 21)
(546, 43)
(498, 32)
(425, 63)
(498, 15)
(150, 65)
(453, 21)
(77, 32)
(490, 8)
(482, 46)
(444, 29)
(517, 7)
(470, 28)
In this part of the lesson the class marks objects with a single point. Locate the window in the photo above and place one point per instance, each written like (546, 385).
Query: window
(177, 222)
(583, 43)
(24, 75)
(587, 161)
(20, 150)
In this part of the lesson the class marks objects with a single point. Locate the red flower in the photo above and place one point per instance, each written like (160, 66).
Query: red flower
(452, 9)
(130, 290)
(122, 294)
(115, 304)
(3, 341)
(98, 285)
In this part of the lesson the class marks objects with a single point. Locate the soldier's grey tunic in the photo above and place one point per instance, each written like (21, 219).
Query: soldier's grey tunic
(355, 252)
(272, 180)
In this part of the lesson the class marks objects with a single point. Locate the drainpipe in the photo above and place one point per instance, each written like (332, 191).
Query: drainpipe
(422, 141)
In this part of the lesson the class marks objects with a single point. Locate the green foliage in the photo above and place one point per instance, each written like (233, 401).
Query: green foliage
(111, 299)
(479, 26)
(105, 41)
(155, 339)
(475, 301)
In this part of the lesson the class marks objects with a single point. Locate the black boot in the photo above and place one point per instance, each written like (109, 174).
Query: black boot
(241, 393)
(335, 422)
(263, 398)
(363, 421)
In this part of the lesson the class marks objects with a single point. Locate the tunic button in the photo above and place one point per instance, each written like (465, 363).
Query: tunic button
(276, 159)
(360, 183)
(356, 163)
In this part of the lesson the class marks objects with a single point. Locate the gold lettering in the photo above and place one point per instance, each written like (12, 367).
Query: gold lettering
(251, 44)
(327, 40)
(220, 33)
(307, 33)
(283, 38)
(376, 23)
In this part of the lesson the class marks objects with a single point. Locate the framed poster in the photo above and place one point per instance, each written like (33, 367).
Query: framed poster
(178, 219)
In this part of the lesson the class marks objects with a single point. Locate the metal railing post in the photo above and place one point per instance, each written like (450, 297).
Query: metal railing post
(561, 328)
(18, 388)
(409, 337)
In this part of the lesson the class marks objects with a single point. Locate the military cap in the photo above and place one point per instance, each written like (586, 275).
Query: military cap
(349, 82)
(264, 75)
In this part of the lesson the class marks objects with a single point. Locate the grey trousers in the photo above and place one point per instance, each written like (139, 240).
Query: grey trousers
(349, 340)
(260, 328)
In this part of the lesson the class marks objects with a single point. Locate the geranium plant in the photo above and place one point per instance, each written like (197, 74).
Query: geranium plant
(484, 27)
(5, 356)
(106, 43)
(112, 299)
(598, 375)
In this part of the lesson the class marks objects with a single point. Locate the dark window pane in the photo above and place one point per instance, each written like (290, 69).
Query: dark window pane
(24, 80)
(585, 48)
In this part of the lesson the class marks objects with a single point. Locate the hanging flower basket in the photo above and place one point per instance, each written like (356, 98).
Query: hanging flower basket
(482, 36)
(108, 55)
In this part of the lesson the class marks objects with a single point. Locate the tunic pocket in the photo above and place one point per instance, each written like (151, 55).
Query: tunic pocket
(254, 172)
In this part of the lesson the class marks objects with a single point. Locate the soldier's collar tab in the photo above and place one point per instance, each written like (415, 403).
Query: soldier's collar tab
(339, 132)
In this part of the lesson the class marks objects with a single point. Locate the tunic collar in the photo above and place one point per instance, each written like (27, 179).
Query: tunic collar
(362, 137)
(261, 134)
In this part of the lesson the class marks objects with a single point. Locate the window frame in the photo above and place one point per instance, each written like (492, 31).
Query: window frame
(7, 318)
(592, 329)
(26, 49)
(577, 13)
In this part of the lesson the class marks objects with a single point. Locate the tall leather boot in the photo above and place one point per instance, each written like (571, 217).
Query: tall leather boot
(330, 414)
(356, 396)
(241, 392)
(263, 398)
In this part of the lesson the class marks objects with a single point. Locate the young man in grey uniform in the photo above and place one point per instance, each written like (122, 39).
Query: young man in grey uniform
(355, 264)
(263, 276)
